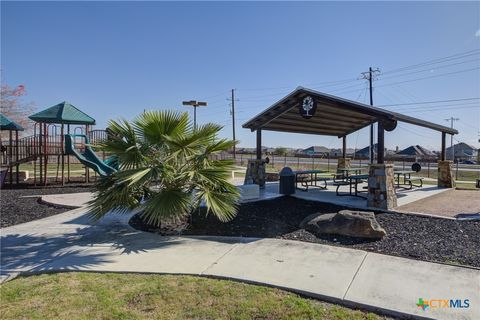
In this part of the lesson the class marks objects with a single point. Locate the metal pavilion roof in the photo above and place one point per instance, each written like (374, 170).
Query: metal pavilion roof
(334, 116)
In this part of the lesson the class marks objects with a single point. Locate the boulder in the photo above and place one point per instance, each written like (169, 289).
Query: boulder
(346, 223)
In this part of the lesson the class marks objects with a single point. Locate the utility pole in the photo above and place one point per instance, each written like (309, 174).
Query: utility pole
(232, 112)
(194, 104)
(369, 76)
(452, 120)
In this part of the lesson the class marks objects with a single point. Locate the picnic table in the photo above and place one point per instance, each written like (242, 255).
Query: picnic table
(342, 173)
(309, 178)
(348, 171)
(405, 173)
(352, 181)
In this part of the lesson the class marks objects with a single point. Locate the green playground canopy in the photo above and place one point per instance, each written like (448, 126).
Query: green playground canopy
(9, 125)
(63, 113)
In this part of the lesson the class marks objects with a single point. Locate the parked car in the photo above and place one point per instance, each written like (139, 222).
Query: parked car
(467, 162)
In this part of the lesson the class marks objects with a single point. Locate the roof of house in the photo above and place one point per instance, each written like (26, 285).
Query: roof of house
(339, 150)
(462, 145)
(334, 116)
(63, 112)
(7, 124)
(366, 150)
(416, 151)
(317, 149)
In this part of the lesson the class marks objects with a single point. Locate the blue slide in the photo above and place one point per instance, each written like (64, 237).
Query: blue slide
(88, 158)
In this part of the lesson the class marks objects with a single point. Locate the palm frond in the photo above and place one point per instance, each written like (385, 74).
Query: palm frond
(167, 205)
(125, 144)
(154, 126)
(222, 204)
(114, 196)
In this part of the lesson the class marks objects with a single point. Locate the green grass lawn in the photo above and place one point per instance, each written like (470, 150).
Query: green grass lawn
(52, 167)
(137, 296)
(457, 184)
(76, 169)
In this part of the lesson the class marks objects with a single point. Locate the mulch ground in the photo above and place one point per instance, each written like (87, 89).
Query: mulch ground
(15, 209)
(417, 237)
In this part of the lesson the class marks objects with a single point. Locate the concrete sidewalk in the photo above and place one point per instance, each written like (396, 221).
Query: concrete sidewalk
(70, 241)
(68, 200)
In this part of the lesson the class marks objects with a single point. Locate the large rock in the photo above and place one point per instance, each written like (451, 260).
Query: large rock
(346, 223)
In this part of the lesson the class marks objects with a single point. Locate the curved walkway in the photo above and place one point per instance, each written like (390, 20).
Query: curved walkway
(71, 242)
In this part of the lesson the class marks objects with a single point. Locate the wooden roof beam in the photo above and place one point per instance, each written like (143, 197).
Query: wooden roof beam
(314, 125)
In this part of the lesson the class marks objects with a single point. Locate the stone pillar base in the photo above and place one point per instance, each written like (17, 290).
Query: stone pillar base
(255, 172)
(446, 179)
(381, 187)
(343, 163)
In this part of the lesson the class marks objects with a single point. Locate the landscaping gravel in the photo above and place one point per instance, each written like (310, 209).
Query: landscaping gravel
(410, 236)
(15, 209)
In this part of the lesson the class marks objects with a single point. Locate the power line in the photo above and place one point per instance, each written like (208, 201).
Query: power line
(427, 102)
(215, 95)
(348, 91)
(433, 110)
(434, 107)
(325, 84)
(348, 87)
(452, 104)
(350, 80)
(468, 125)
(441, 109)
(430, 77)
(415, 132)
(361, 93)
(427, 70)
(436, 61)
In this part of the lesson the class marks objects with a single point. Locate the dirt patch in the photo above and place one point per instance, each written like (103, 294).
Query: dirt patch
(451, 203)
(417, 237)
(17, 205)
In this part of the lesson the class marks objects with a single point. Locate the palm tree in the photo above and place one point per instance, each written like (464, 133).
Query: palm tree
(167, 169)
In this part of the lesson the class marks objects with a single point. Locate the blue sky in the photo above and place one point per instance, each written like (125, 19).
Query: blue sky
(115, 59)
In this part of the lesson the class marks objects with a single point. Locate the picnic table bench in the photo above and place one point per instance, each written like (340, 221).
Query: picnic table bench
(408, 179)
(309, 178)
(352, 181)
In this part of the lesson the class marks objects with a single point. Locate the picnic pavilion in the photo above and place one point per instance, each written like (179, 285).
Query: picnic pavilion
(311, 112)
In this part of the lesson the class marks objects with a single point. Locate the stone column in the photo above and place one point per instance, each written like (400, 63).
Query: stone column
(255, 172)
(446, 179)
(343, 163)
(381, 186)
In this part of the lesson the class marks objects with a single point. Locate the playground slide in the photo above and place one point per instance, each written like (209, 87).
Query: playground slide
(87, 158)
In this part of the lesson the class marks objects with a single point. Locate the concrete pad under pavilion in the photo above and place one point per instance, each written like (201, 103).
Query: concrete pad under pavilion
(329, 195)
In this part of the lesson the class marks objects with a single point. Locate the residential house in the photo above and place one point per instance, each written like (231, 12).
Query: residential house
(462, 151)
(338, 153)
(364, 153)
(416, 153)
(318, 151)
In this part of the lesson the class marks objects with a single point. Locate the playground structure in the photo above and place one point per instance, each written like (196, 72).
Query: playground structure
(59, 132)
(88, 157)
(11, 126)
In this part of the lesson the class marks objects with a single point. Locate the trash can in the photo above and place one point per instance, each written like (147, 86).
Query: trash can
(287, 181)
